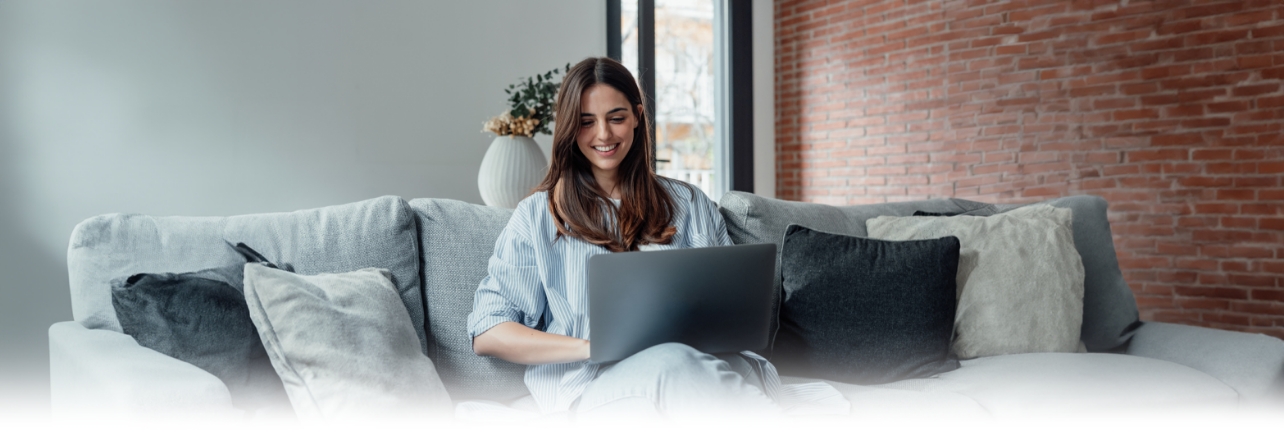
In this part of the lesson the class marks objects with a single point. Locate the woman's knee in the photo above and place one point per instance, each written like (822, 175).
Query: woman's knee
(677, 353)
(671, 362)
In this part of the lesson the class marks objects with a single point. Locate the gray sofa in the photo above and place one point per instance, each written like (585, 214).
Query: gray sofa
(438, 249)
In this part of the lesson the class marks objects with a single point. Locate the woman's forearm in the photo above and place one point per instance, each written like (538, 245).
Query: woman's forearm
(519, 344)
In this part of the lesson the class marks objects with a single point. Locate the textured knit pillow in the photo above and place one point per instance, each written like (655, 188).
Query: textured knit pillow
(1109, 308)
(344, 344)
(866, 311)
(1020, 278)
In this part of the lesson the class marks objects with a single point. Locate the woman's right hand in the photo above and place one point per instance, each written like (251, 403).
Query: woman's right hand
(517, 343)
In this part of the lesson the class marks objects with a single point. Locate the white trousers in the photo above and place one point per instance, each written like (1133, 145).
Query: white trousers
(673, 380)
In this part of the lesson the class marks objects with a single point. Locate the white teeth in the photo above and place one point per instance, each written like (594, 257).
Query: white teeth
(605, 148)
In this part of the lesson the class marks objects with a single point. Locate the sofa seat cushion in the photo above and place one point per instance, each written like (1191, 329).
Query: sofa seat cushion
(1252, 364)
(906, 398)
(1022, 384)
(1042, 384)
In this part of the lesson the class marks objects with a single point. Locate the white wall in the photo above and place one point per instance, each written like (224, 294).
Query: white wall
(239, 106)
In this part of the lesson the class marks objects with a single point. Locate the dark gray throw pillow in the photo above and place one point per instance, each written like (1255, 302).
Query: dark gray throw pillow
(866, 311)
(979, 212)
(202, 318)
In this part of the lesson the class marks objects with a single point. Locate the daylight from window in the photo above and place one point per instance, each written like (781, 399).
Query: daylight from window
(686, 146)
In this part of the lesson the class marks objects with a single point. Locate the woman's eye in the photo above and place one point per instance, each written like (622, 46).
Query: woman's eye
(617, 120)
(586, 123)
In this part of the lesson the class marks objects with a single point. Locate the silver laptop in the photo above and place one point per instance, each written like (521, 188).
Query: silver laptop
(713, 299)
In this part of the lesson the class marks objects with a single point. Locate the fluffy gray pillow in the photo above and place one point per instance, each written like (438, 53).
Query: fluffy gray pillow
(1020, 279)
(344, 344)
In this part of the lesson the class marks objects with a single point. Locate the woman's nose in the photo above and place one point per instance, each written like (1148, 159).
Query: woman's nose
(603, 132)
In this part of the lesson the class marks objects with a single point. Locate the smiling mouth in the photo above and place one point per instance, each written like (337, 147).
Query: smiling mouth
(606, 149)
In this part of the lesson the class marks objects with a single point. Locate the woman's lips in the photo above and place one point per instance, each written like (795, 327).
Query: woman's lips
(614, 148)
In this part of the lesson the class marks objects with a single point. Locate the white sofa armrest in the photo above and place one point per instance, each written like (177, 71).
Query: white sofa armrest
(1251, 364)
(99, 372)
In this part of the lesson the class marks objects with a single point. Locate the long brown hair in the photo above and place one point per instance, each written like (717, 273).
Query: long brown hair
(577, 203)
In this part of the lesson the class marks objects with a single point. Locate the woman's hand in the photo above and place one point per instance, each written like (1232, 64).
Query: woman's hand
(517, 343)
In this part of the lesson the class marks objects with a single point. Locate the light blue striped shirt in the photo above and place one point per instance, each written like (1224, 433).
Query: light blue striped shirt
(531, 276)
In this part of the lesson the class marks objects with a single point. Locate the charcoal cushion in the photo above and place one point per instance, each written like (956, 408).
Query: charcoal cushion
(752, 218)
(866, 311)
(458, 239)
(1109, 308)
(200, 318)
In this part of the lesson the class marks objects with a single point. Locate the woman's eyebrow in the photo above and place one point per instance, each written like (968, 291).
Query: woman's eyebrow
(586, 114)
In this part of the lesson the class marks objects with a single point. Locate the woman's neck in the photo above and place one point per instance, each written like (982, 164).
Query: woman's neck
(608, 184)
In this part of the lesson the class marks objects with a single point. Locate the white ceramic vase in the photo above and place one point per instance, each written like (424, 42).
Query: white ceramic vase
(511, 168)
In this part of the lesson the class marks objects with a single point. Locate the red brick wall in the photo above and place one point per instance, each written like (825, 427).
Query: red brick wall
(1171, 110)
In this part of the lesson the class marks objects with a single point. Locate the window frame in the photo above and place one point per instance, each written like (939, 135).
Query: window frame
(733, 36)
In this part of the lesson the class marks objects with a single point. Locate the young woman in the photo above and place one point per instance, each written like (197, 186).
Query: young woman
(601, 196)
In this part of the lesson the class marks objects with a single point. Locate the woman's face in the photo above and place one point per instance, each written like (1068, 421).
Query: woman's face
(607, 124)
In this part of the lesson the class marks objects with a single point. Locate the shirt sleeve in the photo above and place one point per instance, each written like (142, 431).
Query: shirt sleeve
(707, 221)
(512, 290)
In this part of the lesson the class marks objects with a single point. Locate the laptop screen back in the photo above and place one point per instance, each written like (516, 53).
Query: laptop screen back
(713, 299)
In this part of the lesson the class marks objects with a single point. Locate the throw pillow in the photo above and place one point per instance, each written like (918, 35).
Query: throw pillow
(983, 211)
(201, 318)
(344, 343)
(1109, 308)
(751, 218)
(374, 233)
(866, 311)
(1020, 279)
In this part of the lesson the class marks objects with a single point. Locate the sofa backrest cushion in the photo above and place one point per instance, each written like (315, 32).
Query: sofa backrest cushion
(1110, 311)
(374, 233)
(1109, 307)
(108, 246)
(458, 239)
(378, 233)
(755, 219)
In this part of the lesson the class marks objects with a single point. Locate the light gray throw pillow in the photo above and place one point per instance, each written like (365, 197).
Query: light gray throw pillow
(1020, 279)
(344, 344)
(1109, 309)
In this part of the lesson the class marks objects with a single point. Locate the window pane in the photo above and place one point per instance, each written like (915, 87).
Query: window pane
(629, 35)
(686, 144)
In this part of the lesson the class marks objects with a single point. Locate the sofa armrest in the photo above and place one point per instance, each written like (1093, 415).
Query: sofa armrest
(97, 372)
(1251, 364)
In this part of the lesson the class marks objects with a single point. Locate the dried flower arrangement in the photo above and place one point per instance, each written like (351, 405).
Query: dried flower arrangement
(530, 106)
